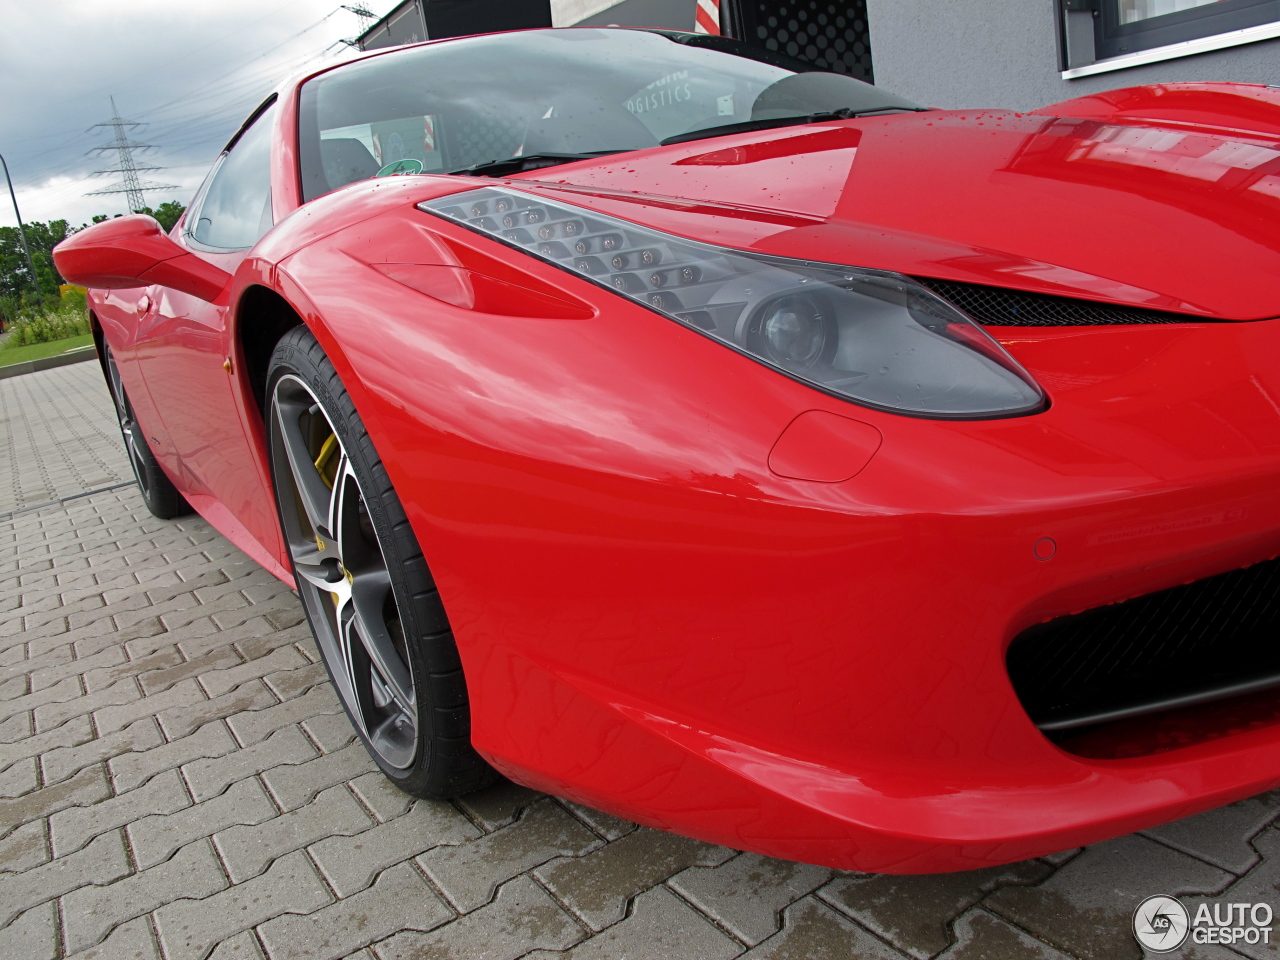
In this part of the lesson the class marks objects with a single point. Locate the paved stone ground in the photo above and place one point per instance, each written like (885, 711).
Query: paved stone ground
(177, 780)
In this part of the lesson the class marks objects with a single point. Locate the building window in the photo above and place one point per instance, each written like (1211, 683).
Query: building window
(1103, 35)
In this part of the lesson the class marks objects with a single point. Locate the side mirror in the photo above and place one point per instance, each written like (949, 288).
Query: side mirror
(134, 251)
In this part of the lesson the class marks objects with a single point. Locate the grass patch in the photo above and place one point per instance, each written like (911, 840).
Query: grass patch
(38, 351)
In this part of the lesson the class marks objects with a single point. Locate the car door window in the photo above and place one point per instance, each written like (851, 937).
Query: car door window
(236, 207)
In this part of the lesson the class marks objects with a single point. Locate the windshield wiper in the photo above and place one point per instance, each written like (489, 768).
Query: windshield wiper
(531, 161)
(748, 125)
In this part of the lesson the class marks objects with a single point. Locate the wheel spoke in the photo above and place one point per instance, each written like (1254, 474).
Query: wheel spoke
(351, 652)
(312, 489)
(369, 594)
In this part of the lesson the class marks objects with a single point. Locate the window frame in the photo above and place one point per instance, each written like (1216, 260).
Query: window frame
(192, 216)
(1184, 33)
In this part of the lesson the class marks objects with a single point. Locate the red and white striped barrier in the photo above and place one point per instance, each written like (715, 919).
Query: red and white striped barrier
(707, 19)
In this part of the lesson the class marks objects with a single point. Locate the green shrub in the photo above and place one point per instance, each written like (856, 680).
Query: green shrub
(67, 319)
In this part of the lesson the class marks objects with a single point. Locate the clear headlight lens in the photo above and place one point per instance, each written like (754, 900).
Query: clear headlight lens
(870, 336)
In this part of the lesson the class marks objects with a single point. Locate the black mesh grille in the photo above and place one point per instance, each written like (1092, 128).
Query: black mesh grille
(478, 139)
(833, 35)
(997, 306)
(1206, 640)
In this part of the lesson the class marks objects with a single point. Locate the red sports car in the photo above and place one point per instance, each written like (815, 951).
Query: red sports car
(738, 447)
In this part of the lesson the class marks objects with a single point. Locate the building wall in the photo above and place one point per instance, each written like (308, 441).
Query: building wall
(1003, 53)
(667, 14)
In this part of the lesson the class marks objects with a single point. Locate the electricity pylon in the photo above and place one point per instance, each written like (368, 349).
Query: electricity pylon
(129, 183)
(366, 16)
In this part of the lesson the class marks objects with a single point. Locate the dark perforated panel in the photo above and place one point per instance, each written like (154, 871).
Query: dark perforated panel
(1201, 639)
(476, 139)
(833, 35)
(997, 306)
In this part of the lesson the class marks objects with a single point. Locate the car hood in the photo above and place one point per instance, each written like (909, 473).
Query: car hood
(1162, 215)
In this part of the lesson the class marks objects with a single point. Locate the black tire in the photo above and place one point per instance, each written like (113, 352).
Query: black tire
(158, 492)
(336, 565)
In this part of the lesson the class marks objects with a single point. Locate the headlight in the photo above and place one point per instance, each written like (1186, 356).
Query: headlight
(870, 336)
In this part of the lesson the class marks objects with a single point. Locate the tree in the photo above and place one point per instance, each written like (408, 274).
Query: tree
(167, 213)
(15, 277)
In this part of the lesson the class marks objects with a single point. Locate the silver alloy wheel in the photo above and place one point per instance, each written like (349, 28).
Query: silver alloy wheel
(128, 427)
(342, 574)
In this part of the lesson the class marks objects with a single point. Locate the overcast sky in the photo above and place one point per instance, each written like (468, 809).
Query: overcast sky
(191, 70)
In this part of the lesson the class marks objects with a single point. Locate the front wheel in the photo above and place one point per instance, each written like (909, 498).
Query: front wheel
(368, 595)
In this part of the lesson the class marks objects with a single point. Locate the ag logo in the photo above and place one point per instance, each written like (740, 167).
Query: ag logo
(1161, 924)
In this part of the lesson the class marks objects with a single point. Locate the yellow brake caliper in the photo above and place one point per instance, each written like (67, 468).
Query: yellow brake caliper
(327, 467)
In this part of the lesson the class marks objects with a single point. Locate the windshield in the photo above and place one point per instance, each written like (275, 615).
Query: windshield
(446, 107)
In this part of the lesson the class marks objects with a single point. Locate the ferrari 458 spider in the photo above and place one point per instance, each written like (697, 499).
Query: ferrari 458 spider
(738, 447)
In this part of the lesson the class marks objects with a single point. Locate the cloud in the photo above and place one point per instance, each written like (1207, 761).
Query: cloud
(191, 71)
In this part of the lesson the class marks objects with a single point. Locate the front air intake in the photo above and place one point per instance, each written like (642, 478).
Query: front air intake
(996, 306)
(1209, 640)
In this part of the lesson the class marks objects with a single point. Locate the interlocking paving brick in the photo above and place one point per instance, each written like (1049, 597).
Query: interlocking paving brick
(243, 946)
(49, 703)
(983, 936)
(71, 829)
(288, 684)
(350, 863)
(161, 670)
(24, 848)
(218, 682)
(21, 777)
(747, 894)
(129, 941)
(247, 850)
(209, 777)
(471, 872)
(256, 723)
(521, 918)
(813, 931)
(330, 731)
(292, 786)
(1061, 857)
(13, 688)
(605, 824)
(598, 886)
(155, 838)
(1086, 907)
(1262, 885)
(661, 926)
(33, 936)
(62, 762)
(1221, 836)
(498, 805)
(380, 795)
(190, 928)
(131, 769)
(912, 913)
(55, 714)
(398, 899)
(45, 672)
(102, 861)
(182, 720)
(90, 912)
(86, 787)
(15, 728)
